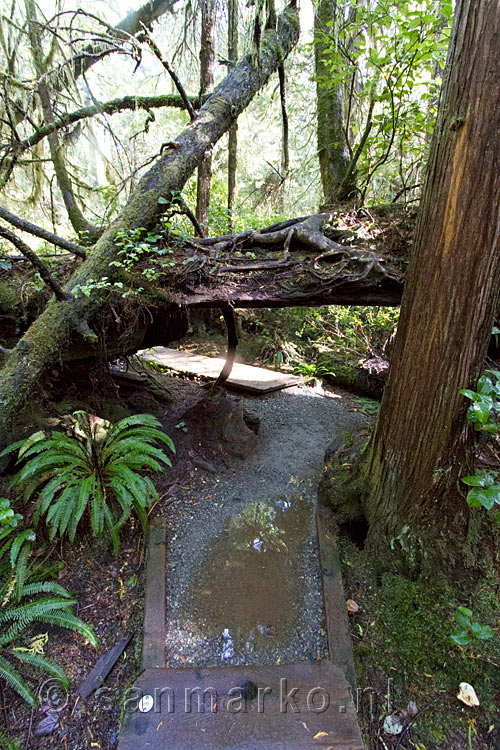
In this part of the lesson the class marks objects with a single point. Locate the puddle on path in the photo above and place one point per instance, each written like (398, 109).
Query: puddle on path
(248, 590)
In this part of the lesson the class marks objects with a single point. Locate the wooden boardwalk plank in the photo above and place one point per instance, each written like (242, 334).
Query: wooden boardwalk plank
(153, 651)
(204, 709)
(246, 377)
(337, 623)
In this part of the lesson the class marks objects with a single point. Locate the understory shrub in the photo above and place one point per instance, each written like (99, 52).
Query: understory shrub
(28, 597)
(94, 466)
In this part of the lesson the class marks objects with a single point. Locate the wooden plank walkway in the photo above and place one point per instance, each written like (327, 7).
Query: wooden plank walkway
(292, 707)
(276, 707)
(337, 622)
(246, 377)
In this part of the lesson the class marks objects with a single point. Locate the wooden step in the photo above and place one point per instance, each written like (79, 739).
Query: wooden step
(292, 707)
(243, 377)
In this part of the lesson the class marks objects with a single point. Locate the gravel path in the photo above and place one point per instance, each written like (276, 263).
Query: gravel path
(243, 583)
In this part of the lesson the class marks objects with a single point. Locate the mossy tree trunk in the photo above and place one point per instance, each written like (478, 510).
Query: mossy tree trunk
(333, 153)
(232, 145)
(207, 62)
(46, 340)
(415, 502)
(78, 221)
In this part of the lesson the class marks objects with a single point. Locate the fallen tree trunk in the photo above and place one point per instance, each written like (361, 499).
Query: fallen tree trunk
(97, 282)
(295, 263)
(312, 269)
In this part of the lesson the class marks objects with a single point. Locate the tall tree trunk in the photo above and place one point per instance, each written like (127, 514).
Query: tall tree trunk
(332, 147)
(78, 221)
(419, 450)
(47, 338)
(207, 60)
(232, 146)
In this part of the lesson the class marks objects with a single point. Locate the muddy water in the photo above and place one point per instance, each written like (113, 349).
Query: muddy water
(248, 589)
(243, 578)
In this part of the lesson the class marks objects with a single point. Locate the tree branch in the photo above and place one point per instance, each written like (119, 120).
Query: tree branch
(285, 165)
(35, 262)
(232, 343)
(44, 234)
(110, 107)
(131, 25)
(173, 75)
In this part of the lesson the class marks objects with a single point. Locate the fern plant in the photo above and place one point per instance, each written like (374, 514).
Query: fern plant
(95, 466)
(26, 599)
(7, 743)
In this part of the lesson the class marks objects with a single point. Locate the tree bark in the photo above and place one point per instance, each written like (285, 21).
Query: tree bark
(333, 154)
(415, 504)
(232, 145)
(207, 61)
(48, 338)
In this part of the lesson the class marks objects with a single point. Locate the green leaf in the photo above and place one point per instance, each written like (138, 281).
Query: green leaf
(70, 622)
(492, 495)
(483, 632)
(468, 393)
(16, 682)
(44, 665)
(481, 409)
(36, 439)
(27, 535)
(462, 638)
(477, 497)
(480, 479)
(495, 373)
(463, 616)
(484, 385)
(34, 610)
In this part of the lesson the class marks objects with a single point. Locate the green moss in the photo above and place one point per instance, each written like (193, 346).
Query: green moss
(339, 488)
(9, 297)
(413, 623)
(404, 635)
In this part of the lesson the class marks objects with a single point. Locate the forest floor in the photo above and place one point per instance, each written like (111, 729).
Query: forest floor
(400, 631)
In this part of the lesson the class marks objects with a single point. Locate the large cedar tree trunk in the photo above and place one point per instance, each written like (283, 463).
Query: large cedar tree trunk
(420, 447)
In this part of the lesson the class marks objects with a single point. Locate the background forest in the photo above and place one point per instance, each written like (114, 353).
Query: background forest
(374, 69)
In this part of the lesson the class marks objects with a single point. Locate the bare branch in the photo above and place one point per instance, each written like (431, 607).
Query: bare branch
(131, 25)
(35, 262)
(173, 75)
(44, 234)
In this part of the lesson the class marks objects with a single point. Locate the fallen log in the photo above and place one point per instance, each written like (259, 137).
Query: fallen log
(303, 267)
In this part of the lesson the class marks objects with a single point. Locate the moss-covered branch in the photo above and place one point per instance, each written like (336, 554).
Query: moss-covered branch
(44, 234)
(110, 107)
